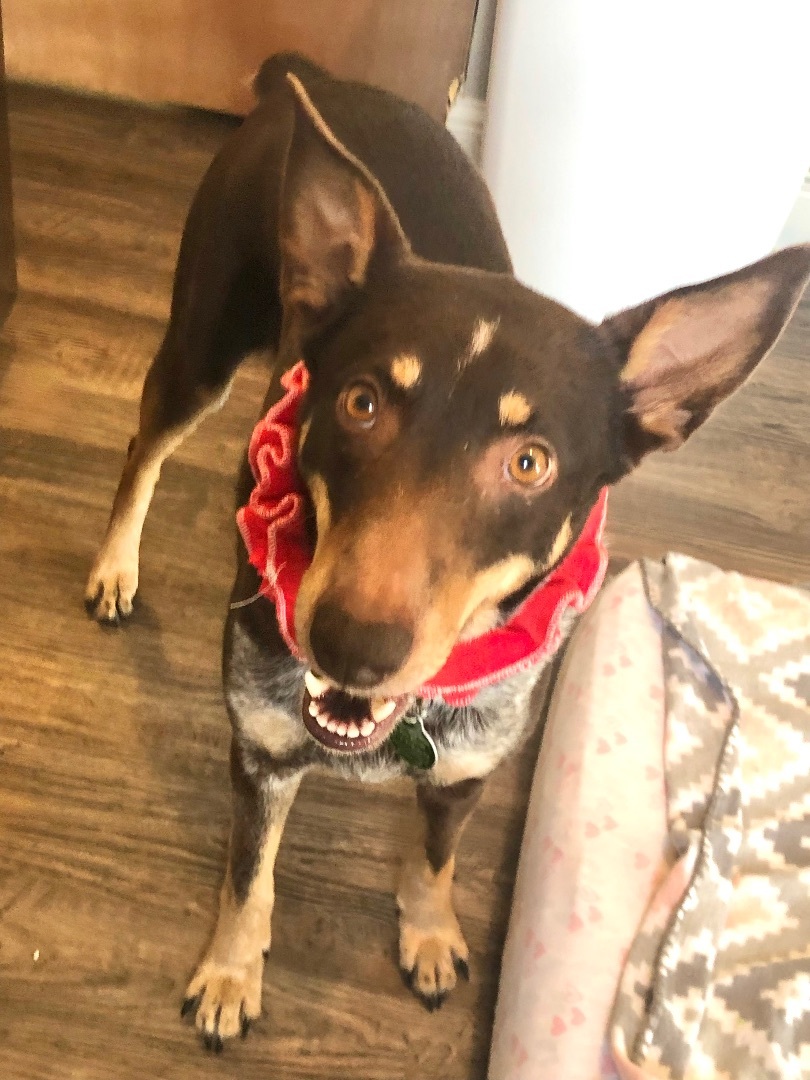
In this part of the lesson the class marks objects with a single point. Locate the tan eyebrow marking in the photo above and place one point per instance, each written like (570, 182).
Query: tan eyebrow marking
(513, 409)
(482, 335)
(406, 371)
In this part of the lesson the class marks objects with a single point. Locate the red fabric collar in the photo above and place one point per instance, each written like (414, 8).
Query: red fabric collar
(272, 526)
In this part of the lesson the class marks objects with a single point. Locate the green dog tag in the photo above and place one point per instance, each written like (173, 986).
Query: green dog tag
(412, 743)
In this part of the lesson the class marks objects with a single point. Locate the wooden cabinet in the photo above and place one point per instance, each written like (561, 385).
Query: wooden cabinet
(204, 52)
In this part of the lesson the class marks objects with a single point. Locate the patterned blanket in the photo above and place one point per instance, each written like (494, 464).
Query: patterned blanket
(717, 982)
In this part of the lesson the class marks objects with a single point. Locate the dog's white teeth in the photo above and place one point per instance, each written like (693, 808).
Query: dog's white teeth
(381, 708)
(315, 685)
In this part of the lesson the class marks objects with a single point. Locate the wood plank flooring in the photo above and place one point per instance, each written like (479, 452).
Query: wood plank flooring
(113, 781)
(8, 275)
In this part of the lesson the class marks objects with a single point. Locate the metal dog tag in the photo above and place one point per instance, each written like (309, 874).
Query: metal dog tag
(412, 743)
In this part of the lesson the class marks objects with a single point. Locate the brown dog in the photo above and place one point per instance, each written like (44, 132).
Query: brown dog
(453, 438)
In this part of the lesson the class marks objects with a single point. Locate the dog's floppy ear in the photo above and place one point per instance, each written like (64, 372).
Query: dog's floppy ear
(335, 220)
(686, 351)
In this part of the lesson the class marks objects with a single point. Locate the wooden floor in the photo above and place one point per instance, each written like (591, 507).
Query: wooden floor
(113, 782)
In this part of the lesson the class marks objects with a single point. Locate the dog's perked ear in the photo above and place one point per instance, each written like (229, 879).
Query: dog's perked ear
(686, 351)
(335, 219)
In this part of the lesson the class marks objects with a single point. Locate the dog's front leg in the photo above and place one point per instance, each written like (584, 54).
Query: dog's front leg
(432, 950)
(225, 993)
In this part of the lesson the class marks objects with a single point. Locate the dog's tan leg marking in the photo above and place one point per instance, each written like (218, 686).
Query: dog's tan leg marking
(432, 949)
(228, 982)
(113, 579)
(430, 940)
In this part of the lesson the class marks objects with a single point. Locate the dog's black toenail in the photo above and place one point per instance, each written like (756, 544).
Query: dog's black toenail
(189, 1006)
(92, 602)
(125, 613)
(427, 1000)
(244, 1023)
(462, 968)
(208, 1040)
(217, 1044)
(407, 976)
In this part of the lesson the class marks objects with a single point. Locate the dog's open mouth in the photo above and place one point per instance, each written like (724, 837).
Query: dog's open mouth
(345, 723)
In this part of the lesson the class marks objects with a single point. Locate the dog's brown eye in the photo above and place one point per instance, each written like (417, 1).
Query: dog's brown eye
(531, 465)
(359, 404)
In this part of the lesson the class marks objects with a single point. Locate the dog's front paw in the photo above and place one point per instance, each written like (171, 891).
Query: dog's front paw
(113, 583)
(224, 999)
(432, 958)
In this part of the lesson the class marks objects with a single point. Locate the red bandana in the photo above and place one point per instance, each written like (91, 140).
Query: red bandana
(272, 526)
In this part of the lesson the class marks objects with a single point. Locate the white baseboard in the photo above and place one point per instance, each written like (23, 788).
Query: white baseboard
(466, 122)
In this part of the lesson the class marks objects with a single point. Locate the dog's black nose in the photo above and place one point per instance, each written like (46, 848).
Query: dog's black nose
(354, 653)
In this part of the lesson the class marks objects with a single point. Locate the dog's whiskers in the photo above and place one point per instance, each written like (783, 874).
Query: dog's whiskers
(250, 600)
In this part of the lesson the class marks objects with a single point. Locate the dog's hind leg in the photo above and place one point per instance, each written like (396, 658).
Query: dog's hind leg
(225, 993)
(165, 420)
(222, 309)
(432, 950)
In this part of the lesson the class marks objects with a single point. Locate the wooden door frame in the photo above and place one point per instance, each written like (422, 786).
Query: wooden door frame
(204, 53)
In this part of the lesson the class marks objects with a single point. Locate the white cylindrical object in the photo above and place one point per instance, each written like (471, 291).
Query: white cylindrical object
(632, 147)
